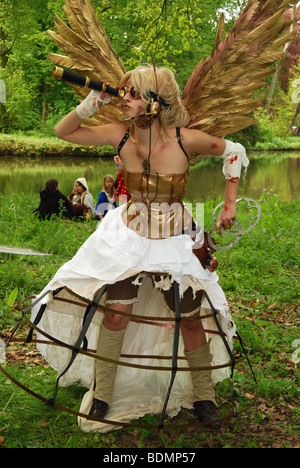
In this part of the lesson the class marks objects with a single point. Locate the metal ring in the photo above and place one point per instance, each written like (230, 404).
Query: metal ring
(123, 423)
(227, 247)
(252, 204)
(234, 413)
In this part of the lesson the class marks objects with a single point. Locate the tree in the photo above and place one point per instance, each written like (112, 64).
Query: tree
(295, 97)
(285, 107)
(26, 70)
(289, 14)
(292, 56)
(169, 32)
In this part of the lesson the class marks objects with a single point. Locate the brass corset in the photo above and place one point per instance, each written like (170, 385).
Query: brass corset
(167, 188)
(156, 209)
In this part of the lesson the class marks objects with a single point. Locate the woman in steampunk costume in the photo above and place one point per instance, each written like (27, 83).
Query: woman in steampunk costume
(143, 248)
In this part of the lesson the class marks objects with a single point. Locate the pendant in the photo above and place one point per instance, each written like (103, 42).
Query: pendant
(145, 165)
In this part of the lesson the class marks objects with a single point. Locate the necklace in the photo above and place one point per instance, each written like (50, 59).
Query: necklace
(145, 161)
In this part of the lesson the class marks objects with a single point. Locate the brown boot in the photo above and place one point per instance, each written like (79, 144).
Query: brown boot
(204, 395)
(99, 409)
(205, 412)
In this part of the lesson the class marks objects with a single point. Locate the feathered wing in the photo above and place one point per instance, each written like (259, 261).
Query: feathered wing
(219, 93)
(88, 52)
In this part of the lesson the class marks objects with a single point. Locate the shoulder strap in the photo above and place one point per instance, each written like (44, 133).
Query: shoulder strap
(179, 139)
(123, 141)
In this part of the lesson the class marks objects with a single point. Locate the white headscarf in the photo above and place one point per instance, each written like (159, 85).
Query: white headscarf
(86, 198)
(83, 182)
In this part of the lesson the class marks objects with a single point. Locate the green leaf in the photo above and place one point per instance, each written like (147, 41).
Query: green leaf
(11, 298)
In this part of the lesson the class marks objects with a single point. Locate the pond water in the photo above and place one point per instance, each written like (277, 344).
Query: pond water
(278, 172)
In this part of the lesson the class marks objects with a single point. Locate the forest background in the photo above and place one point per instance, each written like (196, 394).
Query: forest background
(170, 32)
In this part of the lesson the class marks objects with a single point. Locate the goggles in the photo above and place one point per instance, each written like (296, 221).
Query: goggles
(136, 95)
(133, 92)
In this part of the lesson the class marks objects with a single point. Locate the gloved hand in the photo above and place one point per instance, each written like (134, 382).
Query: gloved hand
(91, 104)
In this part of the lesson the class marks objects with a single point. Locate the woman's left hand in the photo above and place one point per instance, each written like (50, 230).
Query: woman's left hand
(227, 217)
(213, 264)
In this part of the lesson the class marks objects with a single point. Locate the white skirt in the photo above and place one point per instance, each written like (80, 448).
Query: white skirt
(113, 253)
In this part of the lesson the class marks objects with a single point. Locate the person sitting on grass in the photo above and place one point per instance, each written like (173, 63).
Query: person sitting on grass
(53, 202)
(81, 199)
(106, 200)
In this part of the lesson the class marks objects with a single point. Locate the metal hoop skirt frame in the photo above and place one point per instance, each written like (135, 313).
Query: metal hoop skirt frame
(149, 320)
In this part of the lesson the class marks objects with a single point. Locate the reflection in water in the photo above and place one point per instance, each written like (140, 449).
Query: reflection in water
(30, 175)
(278, 171)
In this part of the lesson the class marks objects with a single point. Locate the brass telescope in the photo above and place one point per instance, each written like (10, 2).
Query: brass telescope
(60, 73)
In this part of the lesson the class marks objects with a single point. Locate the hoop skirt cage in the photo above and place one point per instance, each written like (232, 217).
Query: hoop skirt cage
(111, 254)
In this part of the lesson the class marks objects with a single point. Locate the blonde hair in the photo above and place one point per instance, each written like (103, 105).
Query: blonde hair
(112, 191)
(161, 81)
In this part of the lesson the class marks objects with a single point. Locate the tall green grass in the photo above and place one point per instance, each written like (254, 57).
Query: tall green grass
(260, 277)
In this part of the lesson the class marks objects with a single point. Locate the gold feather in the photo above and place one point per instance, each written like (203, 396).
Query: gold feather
(220, 31)
(219, 93)
(89, 52)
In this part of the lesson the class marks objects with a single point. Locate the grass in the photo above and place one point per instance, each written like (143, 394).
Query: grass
(291, 143)
(261, 280)
(34, 145)
(20, 144)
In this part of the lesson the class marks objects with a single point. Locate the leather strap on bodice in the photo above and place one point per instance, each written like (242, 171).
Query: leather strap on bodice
(156, 208)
